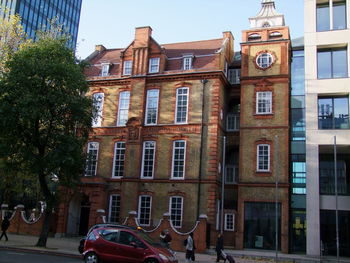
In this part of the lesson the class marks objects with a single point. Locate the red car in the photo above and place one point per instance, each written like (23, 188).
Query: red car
(123, 245)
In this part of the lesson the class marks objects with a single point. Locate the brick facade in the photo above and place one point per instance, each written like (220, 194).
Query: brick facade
(206, 83)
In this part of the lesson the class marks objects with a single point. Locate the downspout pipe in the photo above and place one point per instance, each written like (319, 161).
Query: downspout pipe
(203, 81)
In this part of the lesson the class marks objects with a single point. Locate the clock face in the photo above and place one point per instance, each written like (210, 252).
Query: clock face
(264, 60)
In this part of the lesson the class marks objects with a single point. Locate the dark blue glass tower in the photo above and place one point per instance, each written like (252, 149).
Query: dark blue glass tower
(35, 15)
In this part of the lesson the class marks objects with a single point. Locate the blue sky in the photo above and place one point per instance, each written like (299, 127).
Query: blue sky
(112, 22)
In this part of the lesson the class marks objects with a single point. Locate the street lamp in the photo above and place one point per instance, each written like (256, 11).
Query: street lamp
(223, 183)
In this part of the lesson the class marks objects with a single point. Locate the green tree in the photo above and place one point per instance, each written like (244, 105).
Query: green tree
(12, 36)
(45, 118)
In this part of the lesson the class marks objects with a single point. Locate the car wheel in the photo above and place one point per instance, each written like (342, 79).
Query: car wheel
(91, 257)
(151, 260)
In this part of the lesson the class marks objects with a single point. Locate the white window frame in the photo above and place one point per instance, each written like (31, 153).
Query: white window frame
(234, 76)
(264, 98)
(171, 202)
(121, 158)
(235, 174)
(232, 122)
(187, 62)
(98, 101)
(105, 69)
(264, 60)
(176, 148)
(127, 67)
(152, 98)
(179, 99)
(259, 157)
(123, 108)
(153, 65)
(226, 227)
(114, 206)
(145, 148)
(140, 208)
(92, 146)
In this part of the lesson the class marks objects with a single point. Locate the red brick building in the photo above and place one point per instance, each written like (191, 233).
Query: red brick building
(264, 133)
(156, 145)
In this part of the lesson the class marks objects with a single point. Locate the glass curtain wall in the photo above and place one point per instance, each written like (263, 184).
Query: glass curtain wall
(297, 155)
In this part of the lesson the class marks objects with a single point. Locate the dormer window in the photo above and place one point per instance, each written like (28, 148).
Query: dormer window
(105, 69)
(187, 62)
(254, 37)
(127, 67)
(275, 34)
(153, 65)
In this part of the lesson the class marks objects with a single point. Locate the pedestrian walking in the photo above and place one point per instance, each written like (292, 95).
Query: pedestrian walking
(219, 247)
(4, 226)
(190, 247)
(167, 238)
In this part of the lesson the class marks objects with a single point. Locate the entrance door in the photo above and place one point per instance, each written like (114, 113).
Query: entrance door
(84, 216)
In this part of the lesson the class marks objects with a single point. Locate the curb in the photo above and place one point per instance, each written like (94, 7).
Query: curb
(40, 251)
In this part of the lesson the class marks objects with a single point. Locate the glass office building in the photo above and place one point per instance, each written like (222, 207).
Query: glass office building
(36, 15)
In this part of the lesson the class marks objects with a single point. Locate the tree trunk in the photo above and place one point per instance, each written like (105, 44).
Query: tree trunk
(46, 227)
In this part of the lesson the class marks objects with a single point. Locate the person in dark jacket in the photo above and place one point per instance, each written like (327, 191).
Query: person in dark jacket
(219, 247)
(4, 226)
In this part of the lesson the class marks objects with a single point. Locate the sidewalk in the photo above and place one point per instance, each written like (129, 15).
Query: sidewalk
(69, 247)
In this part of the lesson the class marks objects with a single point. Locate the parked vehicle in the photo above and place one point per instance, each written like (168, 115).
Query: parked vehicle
(82, 241)
(124, 245)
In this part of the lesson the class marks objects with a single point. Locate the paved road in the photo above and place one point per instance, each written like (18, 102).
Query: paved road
(9, 256)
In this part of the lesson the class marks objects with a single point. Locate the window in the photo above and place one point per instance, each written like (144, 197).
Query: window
(181, 105)
(114, 208)
(98, 99)
(234, 76)
(326, 172)
(127, 67)
(254, 37)
(231, 174)
(105, 69)
(179, 153)
(323, 16)
(153, 65)
(264, 102)
(263, 158)
(232, 122)
(332, 63)
(229, 221)
(264, 60)
(91, 162)
(333, 113)
(144, 214)
(119, 159)
(259, 225)
(187, 63)
(339, 15)
(152, 106)
(175, 209)
(148, 159)
(123, 111)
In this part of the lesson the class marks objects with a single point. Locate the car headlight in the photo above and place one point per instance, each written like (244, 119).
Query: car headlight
(163, 257)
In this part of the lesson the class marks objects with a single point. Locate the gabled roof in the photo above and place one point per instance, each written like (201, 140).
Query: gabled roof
(196, 48)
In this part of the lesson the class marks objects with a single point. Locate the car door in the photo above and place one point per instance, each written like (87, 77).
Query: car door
(107, 246)
(130, 248)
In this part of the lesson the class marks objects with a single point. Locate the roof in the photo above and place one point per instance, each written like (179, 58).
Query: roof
(203, 53)
(196, 48)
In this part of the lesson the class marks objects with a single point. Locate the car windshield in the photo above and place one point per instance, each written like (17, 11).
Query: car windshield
(148, 239)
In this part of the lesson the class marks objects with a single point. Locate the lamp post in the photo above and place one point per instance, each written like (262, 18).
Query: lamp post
(276, 196)
(223, 184)
(336, 196)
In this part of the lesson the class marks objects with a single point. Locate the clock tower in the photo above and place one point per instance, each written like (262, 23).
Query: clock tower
(263, 193)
